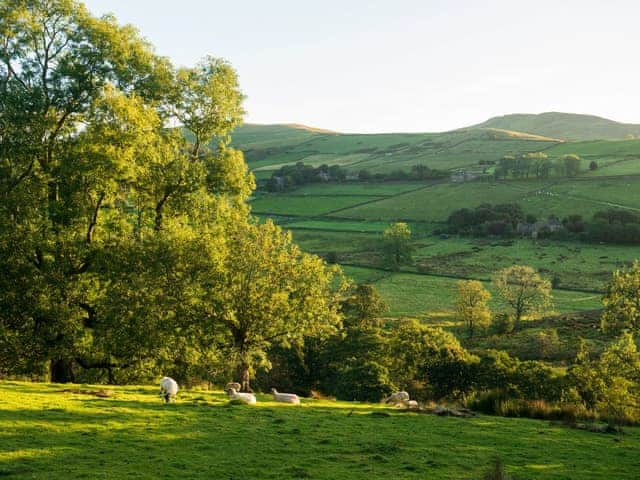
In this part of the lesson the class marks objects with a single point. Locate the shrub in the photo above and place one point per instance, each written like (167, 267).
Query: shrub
(366, 381)
(503, 323)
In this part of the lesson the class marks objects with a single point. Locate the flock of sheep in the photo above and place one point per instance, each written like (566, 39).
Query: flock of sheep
(169, 390)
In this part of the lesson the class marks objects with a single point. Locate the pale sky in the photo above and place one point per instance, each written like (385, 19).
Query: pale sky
(406, 65)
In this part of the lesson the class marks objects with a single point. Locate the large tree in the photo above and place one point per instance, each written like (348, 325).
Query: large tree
(271, 293)
(523, 289)
(101, 205)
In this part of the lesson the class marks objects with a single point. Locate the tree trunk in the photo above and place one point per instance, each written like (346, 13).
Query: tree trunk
(62, 371)
(244, 374)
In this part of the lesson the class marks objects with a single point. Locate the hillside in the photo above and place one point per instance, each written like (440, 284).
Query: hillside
(567, 126)
(268, 147)
(65, 431)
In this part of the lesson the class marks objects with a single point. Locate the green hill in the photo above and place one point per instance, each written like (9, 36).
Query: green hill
(268, 147)
(567, 126)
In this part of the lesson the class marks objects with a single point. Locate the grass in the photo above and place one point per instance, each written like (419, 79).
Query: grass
(357, 188)
(340, 226)
(48, 434)
(432, 297)
(296, 205)
(573, 264)
(541, 198)
(267, 147)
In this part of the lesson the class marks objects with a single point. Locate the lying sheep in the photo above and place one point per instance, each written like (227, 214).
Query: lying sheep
(248, 398)
(235, 385)
(397, 398)
(411, 404)
(285, 397)
(168, 389)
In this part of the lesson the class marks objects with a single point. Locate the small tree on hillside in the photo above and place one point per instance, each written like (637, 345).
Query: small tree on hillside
(471, 305)
(397, 245)
(622, 300)
(363, 307)
(522, 288)
(571, 164)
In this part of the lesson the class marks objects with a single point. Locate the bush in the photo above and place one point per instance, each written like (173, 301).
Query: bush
(503, 323)
(366, 381)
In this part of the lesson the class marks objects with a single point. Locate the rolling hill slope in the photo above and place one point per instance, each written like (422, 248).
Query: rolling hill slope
(268, 147)
(567, 126)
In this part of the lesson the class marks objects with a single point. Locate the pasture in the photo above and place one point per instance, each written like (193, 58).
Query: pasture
(53, 431)
(268, 147)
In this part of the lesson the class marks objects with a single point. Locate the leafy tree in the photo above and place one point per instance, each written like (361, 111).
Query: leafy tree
(610, 384)
(522, 288)
(571, 164)
(622, 300)
(363, 307)
(271, 293)
(472, 305)
(397, 246)
(428, 361)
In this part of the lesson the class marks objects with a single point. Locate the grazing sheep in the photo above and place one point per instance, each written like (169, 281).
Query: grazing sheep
(248, 398)
(398, 397)
(235, 385)
(168, 389)
(285, 397)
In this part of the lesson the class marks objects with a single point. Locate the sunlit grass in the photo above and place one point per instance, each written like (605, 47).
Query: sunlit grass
(46, 433)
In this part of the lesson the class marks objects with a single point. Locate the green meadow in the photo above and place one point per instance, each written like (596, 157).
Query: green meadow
(54, 431)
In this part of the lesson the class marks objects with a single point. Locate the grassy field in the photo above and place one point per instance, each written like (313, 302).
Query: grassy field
(348, 219)
(49, 433)
(537, 197)
(298, 205)
(432, 297)
(268, 147)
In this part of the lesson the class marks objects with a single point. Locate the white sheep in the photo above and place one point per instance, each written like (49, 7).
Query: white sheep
(168, 389)
(235, 385)
(248, 398)
(411, 404)
(397, 398)
(285, 397)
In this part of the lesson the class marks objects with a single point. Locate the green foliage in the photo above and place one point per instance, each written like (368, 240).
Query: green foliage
(503, 323)
(522, 288)
(472, 305)
(610, 384)
(571, 164)
(363, 380)
(622, 300)
(396, 246)
(126, 245)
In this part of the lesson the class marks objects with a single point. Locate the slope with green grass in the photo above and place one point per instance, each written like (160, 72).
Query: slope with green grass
(268, 147)
(48, 432)
(567, 126)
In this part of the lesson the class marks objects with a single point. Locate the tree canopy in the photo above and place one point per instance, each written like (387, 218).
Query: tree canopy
(121, 236)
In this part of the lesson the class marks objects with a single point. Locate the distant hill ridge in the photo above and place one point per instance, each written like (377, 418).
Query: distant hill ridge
(548, 126)
(566, 126)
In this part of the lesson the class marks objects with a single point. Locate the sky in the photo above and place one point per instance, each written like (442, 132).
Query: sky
(406, 65)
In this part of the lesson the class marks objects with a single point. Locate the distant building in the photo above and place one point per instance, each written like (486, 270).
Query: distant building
(551, 225)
